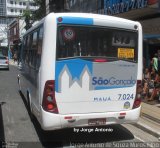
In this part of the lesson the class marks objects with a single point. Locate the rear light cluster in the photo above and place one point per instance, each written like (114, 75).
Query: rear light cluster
(49, 102)
(137, 101)
(7, 62)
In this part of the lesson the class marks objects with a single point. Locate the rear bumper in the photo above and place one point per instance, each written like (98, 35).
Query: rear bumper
(50, 121)
(4, 66)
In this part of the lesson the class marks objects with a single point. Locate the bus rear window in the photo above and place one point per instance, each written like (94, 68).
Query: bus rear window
(78, 41)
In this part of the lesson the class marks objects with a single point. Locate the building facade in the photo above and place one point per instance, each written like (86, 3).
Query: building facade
(10, 10)
(3, 22)
(14, 31)
(16, 7)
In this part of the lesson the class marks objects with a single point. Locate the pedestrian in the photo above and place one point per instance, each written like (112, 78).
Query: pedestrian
(158, 61)
(150, 88)
(146, 79)
(12, 52)
(15, 57)
(19, 53)
(154, 62)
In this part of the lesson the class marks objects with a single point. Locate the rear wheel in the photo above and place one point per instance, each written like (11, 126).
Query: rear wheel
(29, 106)
(19, 82)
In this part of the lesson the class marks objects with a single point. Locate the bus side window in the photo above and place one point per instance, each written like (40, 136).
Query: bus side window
(28, 47)
(30, 50)
(34, 49)
(24, 51)
(39, 51)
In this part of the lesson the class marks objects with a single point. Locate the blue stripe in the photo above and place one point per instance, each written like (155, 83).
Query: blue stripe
(76, 20)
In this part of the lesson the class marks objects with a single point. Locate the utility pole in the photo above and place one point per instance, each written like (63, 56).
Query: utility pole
(8, 39)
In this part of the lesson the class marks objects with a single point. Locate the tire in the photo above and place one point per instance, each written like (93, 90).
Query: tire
(29, 108)
(19, 82)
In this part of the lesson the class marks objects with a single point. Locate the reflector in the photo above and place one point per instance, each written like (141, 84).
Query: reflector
(68, 117)
(122, 114)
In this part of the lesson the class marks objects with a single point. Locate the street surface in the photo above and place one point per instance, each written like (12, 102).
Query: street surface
(16, 128)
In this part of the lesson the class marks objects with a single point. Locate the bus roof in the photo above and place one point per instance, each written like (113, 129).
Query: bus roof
(84, 15)
(91, 15)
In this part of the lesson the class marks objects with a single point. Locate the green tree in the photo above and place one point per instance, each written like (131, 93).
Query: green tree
(32, 16)
(41, 12)
(27, 15)
(55, 6)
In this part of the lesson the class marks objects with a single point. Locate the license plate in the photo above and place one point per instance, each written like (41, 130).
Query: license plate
(99, 121)
(125, 53)
(2, 62)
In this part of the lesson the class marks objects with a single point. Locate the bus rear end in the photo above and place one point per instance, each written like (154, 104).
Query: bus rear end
(96, 74)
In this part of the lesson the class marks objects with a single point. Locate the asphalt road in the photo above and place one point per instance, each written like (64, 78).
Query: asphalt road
(16, 128)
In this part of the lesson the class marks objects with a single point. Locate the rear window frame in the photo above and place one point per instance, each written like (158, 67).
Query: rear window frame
(99, 27)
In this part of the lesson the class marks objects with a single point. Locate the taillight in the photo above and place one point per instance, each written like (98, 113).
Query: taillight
(49, 102)
(137, 101)
(7, 62)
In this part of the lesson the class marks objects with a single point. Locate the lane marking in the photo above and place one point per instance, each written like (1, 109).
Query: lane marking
(139, 138)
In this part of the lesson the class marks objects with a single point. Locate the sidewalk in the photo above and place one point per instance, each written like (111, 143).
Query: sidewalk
(150, 119)
(11, 62)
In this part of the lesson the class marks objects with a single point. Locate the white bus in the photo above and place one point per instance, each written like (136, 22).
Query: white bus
(82, 69)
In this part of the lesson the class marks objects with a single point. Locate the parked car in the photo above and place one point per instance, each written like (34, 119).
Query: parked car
(4, 62)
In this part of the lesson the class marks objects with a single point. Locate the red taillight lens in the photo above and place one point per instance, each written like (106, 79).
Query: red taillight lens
(122, 114)
(137, 101)
(49, 102)
(50, 106)
(7, 62)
